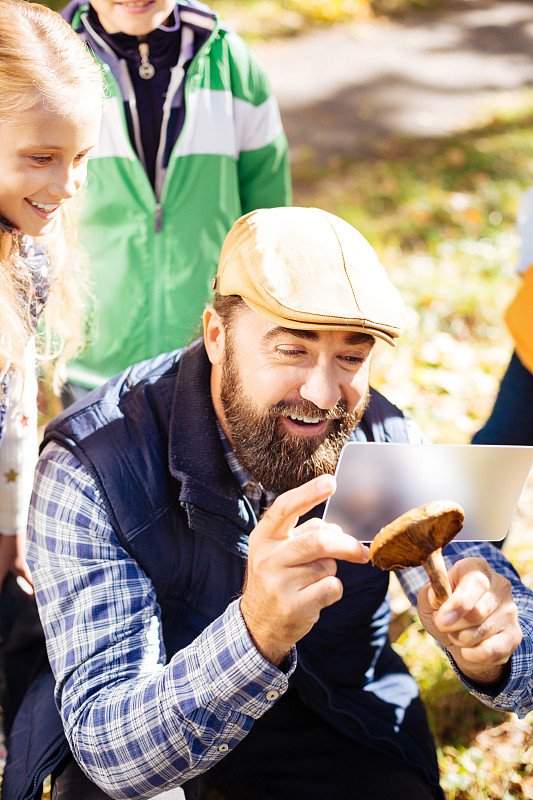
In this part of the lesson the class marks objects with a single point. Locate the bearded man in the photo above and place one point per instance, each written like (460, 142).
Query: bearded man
(205, 628)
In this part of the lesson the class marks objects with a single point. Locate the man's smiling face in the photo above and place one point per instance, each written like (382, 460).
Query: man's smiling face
(287, 399)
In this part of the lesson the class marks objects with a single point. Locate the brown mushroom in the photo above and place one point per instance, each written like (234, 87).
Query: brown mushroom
(417, 538)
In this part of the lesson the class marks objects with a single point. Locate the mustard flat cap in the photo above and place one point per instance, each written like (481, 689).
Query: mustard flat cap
(305, 268)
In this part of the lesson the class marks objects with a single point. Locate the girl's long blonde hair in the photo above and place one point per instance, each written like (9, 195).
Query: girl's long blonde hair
(42, 60)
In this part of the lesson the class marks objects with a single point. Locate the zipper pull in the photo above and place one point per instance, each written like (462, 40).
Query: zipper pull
(158, 224)
(146, 70)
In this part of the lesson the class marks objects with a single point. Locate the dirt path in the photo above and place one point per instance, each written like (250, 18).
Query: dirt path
(342, 89)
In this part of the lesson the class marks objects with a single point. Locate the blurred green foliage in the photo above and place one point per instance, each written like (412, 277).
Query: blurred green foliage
(265, 18)
(57, 5)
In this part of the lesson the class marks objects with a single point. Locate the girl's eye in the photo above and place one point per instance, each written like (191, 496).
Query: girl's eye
(41, 160)
(82, 157)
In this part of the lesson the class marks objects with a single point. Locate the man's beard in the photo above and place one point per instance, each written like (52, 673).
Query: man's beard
(275, 458)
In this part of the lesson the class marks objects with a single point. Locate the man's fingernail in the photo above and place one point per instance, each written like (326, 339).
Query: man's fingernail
(450, 618)
(24, 585)
(324, 482)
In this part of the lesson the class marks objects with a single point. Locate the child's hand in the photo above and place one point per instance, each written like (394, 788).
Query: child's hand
(13, 558)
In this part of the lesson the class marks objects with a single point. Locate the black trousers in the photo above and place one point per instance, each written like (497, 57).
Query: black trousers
(290, 754)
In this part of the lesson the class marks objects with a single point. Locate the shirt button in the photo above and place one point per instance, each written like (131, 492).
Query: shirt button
(272, 695)
(223, 748)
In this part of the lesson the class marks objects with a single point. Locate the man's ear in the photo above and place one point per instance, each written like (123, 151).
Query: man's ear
(214, 335)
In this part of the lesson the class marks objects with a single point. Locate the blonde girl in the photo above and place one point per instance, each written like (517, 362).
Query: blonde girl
(50, 106)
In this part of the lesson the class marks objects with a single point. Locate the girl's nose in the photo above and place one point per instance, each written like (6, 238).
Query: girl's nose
(65, 184)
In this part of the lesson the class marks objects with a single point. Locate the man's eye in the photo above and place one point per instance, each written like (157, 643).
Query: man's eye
(288, 352)
(354, 361)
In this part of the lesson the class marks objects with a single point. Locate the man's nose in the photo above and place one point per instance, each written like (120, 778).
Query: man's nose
(321, 388)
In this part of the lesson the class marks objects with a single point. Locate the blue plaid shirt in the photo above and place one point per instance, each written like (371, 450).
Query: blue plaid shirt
(157, 725)
(260, 499)
(138, 724)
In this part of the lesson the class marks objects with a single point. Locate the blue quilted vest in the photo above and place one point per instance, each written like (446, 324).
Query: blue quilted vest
(150, 441)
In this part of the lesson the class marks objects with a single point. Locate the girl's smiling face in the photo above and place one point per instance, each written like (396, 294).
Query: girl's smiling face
(43, 162)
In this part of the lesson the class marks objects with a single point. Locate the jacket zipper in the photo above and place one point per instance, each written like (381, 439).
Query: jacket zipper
(131, 98)
(176, 79)
(158, 222)
(132, 101)
(187, 83)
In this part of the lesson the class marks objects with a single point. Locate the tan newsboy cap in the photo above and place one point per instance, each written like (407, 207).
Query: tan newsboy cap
(305, 268)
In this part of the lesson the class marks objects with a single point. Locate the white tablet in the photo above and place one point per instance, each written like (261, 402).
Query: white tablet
(376, 482)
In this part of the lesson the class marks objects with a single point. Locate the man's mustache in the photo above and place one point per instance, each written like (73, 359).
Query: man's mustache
(308, 409)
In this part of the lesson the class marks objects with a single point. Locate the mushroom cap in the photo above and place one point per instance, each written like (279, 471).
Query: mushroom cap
(408, 540)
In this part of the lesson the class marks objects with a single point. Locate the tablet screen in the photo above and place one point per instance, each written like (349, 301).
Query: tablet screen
(377, 482)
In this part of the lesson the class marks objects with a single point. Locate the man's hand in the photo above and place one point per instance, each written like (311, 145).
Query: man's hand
(291, 572)
(478, 624)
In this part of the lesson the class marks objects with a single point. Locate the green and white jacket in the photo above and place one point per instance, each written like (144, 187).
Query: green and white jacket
(152, 254)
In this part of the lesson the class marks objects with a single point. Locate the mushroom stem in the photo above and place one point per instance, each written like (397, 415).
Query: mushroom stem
(438, 575)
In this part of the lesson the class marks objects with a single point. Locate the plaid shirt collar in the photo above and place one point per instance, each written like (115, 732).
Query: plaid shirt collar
(260, 499)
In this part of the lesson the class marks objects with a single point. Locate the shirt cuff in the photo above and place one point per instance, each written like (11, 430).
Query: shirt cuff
(505, 695)
(234, 671)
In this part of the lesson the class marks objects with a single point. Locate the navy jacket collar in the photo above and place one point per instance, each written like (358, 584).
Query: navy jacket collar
(196, 454)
